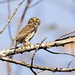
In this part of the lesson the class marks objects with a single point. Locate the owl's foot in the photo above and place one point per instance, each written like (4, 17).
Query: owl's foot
(28, 44)
(23, 45)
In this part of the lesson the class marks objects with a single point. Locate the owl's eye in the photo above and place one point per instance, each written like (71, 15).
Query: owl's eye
(31, 20)
(38, 21)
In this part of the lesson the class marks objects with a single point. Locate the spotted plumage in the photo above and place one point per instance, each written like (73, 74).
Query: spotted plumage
(28, 31)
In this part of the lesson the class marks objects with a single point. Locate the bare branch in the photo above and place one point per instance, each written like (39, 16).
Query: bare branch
(32, 61)
(11, 16)
(9, 26)
(69, 64)
(65, 34)
(34, 55)
(37, 67)
(39, 72)
(59, 53)
(9, 31)
(9, 68)
(45, 45)
(7, 1)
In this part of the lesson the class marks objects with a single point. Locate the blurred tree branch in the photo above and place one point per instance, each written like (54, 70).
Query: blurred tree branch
(9, 26)
(9, 31)
(11, 16)
(7, 1)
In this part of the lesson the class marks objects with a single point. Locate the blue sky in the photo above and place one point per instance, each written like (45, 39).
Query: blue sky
(60, 13)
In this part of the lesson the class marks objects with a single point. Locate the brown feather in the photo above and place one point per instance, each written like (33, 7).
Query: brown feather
(25, 32)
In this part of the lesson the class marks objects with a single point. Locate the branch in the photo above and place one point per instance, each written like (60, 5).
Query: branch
(7, 1)
(45, 45)
(65, 35)
(9, 26)
(69, 64)
(9, 31)
(59, 53)
(37, 67)
(34, 55)
(11, 16)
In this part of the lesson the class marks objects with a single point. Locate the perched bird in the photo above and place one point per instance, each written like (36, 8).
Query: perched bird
(28, 31)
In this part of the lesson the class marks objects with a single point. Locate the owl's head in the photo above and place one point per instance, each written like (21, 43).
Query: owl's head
(34, 21)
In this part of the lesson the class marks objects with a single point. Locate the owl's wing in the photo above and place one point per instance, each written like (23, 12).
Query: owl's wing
(25, 31)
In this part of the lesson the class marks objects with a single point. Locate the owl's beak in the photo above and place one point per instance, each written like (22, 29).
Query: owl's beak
(34, 23)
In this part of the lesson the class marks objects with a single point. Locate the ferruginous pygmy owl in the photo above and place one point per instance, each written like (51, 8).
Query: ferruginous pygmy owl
(28, 31)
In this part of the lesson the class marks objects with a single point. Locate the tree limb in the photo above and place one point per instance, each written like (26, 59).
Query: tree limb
(45, 45)
(37, 67)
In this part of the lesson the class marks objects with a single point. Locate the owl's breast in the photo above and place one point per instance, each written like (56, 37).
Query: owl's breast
(30, 36)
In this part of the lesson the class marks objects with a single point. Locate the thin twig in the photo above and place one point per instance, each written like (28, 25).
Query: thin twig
(69, 64)
(34, 55)
(8, 64)
(35, 3)
(9, 11)
(39, 72)
(7, 1)
(9, 68)
(12, 16)
(58, 53)
(65, 34)
(32, 61)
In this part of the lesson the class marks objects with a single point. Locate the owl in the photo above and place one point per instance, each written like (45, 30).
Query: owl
(26, 34)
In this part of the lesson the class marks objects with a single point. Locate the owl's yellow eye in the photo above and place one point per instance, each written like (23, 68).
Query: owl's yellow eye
(31, 19)
(37, 19)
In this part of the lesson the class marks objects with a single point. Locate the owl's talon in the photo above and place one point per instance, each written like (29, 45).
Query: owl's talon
(24, 44)
(22, 47)
(28, 44)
